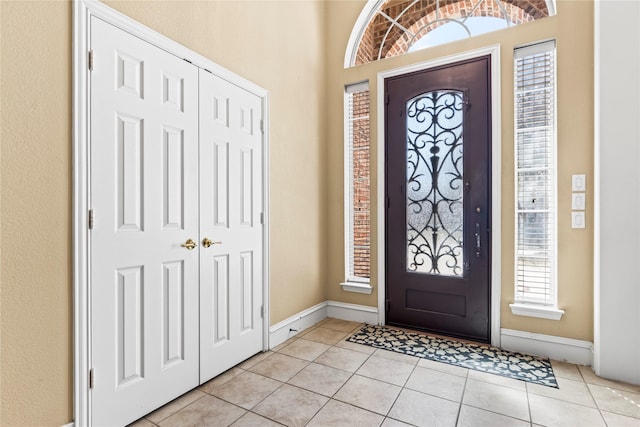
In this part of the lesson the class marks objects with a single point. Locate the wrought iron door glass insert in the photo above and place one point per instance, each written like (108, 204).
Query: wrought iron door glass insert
(434, 183)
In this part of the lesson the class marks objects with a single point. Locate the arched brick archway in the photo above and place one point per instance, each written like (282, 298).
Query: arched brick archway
(383, 39)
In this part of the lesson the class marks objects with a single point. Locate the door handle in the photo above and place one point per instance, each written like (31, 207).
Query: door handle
(206, 242)
(189, 244)
(478, 240)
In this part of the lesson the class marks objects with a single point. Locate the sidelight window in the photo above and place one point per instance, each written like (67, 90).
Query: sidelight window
(535, 179)
(357, 188)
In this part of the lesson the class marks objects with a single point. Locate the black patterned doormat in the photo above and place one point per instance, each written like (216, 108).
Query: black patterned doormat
(482, 358)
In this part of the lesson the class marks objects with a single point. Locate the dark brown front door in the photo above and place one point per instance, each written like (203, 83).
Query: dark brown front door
(438, 178)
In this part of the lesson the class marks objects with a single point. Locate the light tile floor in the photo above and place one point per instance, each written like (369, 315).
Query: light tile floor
(319, 379)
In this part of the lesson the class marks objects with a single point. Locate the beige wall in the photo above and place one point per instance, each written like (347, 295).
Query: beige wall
(278, 45)
(573, 30)
(35, 233)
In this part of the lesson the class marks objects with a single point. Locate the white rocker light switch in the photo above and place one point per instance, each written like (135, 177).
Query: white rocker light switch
(578, 182)
(578, 201)
(577, 219)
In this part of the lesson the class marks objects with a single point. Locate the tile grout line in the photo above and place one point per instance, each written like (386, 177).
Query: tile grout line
(205, 393)
(464, 389)
(263, 399)
(402, 388)
(329, 398)
(351, 375)
(355, 372)
(595, 401)
(179, 409)
(526, 391)
(173, 413)
(366, 357)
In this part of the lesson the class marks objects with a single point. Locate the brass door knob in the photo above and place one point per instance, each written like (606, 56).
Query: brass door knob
(189, 244)
(206, 242)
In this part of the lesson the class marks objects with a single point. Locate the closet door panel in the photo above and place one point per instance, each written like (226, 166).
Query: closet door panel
(144, 196)
(230, 207)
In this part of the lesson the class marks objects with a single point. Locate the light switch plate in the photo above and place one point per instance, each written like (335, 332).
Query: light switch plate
(577, 220)
(578, 202)
(578, 182)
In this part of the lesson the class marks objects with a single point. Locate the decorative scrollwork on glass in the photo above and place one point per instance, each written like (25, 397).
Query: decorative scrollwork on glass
(434, 183)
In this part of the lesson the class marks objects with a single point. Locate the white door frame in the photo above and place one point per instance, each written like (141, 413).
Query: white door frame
(496, 159)
(82, 12)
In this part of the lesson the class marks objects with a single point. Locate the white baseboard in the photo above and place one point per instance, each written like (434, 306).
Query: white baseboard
(69, 425)
(558, 348)
(282, 331)
(352, 312)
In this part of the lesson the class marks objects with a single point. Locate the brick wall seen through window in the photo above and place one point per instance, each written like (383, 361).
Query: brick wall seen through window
(358, 198)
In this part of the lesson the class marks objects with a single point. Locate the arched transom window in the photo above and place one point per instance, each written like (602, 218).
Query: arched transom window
(389, 28)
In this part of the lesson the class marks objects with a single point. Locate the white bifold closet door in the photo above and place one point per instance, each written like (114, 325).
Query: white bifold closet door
(171, 160)
(230, 217)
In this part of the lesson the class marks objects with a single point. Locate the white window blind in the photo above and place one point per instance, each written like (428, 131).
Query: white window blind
(535, 156)
(357, 190)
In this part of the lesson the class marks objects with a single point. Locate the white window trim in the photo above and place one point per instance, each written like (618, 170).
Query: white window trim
(530, 308)
(361, 288)
(351, 284)
(539, 311)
